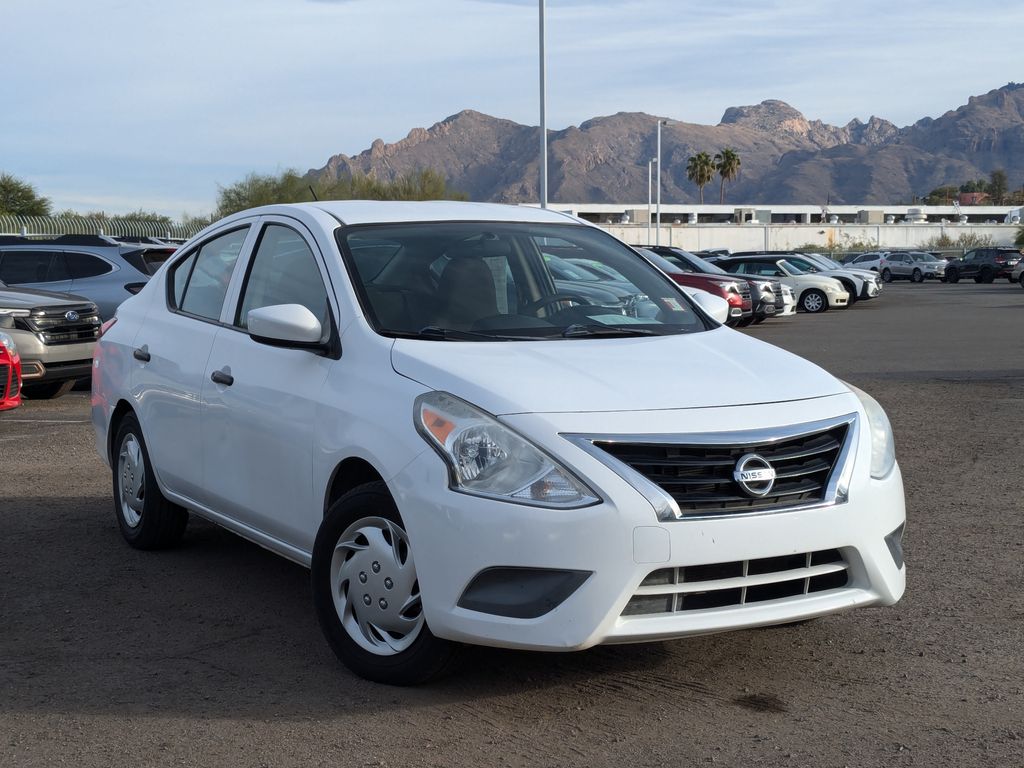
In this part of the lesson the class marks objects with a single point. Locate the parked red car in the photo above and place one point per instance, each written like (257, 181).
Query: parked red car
(10, 373)
(735, 291)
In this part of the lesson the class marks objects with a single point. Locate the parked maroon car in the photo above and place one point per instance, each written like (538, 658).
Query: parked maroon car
(734, 290)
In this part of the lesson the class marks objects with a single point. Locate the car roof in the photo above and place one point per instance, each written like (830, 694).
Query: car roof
(393, 212)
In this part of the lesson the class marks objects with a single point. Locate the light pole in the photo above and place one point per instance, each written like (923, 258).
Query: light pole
(543, 119)
(657, 232)
(650, 162)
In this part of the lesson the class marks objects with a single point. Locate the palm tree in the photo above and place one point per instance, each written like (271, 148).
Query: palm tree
(700, 169)
(727, 163)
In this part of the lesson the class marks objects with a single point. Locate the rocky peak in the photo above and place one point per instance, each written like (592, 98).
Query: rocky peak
(771, 115)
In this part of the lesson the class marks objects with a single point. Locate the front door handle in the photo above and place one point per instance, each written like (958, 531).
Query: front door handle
(142, 353)
(219, 377)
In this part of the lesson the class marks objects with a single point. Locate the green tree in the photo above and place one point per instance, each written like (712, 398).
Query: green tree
(727, 163)
(978, 185)
(291, 187)
(942, 195)
(997, 186)
(700, 169)
(19, 198)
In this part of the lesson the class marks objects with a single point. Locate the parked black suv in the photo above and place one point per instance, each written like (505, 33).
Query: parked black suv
(984, 264)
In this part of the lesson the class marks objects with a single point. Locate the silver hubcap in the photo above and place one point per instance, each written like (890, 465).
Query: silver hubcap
(812, 303)
(131, 474)
(373, 581)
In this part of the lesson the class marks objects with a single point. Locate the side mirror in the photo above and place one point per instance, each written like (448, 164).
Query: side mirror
(285, 325)
(715, 306)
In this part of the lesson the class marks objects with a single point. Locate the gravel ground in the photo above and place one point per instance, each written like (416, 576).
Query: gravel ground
(210, 654)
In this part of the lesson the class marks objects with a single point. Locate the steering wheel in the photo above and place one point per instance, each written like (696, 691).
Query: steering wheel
(535, 306)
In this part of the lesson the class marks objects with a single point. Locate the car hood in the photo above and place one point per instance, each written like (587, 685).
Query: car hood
(701, 370)
(30, 298)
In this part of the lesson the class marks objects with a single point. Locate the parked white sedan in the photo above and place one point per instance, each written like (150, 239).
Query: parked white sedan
(397, 396)
(815, 293)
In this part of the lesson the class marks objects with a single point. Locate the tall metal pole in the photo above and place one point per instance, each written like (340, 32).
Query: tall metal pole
(543, 119)
(657, 232)
(649, 164)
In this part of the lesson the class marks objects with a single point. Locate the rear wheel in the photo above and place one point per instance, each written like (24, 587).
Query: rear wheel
(916, 276)
(47, 390)
(886, 275)
(1022, 279)
(813, 301)
(987, 275)
(147, 520)
(367, 595)
(952, 276)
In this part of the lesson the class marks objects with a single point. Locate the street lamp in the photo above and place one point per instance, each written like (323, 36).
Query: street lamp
(543, 119)
(657, 232)
(650, 163)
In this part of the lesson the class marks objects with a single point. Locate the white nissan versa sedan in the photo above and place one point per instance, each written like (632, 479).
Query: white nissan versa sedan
(397, 396)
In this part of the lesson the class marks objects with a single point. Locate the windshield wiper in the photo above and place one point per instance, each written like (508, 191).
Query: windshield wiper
(577, 330)
(437, 333)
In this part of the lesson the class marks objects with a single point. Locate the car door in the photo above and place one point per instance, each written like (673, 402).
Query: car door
(91, 276)
(260, 413)
(969, 265)
(35, 268)
(171, 349)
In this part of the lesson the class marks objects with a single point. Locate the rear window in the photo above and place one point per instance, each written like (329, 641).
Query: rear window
(148, 260)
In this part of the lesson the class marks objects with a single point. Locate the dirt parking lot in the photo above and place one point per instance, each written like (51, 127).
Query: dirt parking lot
(210, 654)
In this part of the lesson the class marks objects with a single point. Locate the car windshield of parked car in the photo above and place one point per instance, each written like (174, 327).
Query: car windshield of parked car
(459, 281)
(790, 268)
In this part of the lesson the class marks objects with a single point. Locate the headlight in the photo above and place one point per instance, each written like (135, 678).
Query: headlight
(883, 448)
(8, 342)
(486, 458)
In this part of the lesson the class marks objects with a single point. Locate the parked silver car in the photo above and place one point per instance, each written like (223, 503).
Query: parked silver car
(915, 266)
(101, 269)
(55, 333)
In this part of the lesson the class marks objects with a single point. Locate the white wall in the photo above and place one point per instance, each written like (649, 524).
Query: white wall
(753, 237)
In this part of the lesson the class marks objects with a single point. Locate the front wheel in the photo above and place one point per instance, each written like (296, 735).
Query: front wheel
(886, 275)
(813, 301)
(146, 518)
(916, 276)
(366, 593)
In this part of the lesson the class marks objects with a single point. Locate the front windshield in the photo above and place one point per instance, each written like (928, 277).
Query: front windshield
(484, 281)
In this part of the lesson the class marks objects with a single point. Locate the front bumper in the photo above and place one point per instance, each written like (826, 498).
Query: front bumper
(620, 543)
(840, 299)
(57, 362)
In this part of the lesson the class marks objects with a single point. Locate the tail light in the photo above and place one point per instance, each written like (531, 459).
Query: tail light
(1000, 259)
(107, 326)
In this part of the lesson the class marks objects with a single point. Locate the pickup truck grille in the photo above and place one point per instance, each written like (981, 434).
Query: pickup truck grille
(63, 325)
(699, 477)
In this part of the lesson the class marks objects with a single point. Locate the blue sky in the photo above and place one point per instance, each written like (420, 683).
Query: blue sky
(126, 104)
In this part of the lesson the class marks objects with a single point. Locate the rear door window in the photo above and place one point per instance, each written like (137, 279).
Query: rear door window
(83, 265)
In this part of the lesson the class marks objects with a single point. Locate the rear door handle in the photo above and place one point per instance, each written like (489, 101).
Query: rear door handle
(142, 353)
(219, 377)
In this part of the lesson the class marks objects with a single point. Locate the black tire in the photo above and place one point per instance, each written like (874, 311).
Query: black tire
(987, 275)
(916, 276)
(813, 301)
(851, 289)
(370, 508)
(952, 276)
(758, 319)
(47, 390)
(978, 279)
(147, 520)
(1022, 279)
(886, 275)
(743, 322)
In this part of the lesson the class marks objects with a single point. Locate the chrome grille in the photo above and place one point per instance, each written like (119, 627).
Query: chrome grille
(741, 582)
(777, 290)
(52, 327)
(699, 476)
(744, 288)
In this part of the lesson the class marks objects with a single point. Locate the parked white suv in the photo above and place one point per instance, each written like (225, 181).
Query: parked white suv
(397, 396)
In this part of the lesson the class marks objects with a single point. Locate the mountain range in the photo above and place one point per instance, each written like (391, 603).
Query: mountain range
(786, 158)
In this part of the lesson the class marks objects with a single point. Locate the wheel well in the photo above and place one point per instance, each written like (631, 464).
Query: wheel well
(351, 473)
(120, 410)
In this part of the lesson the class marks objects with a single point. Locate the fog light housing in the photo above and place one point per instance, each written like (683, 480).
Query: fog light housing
(520, 593)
